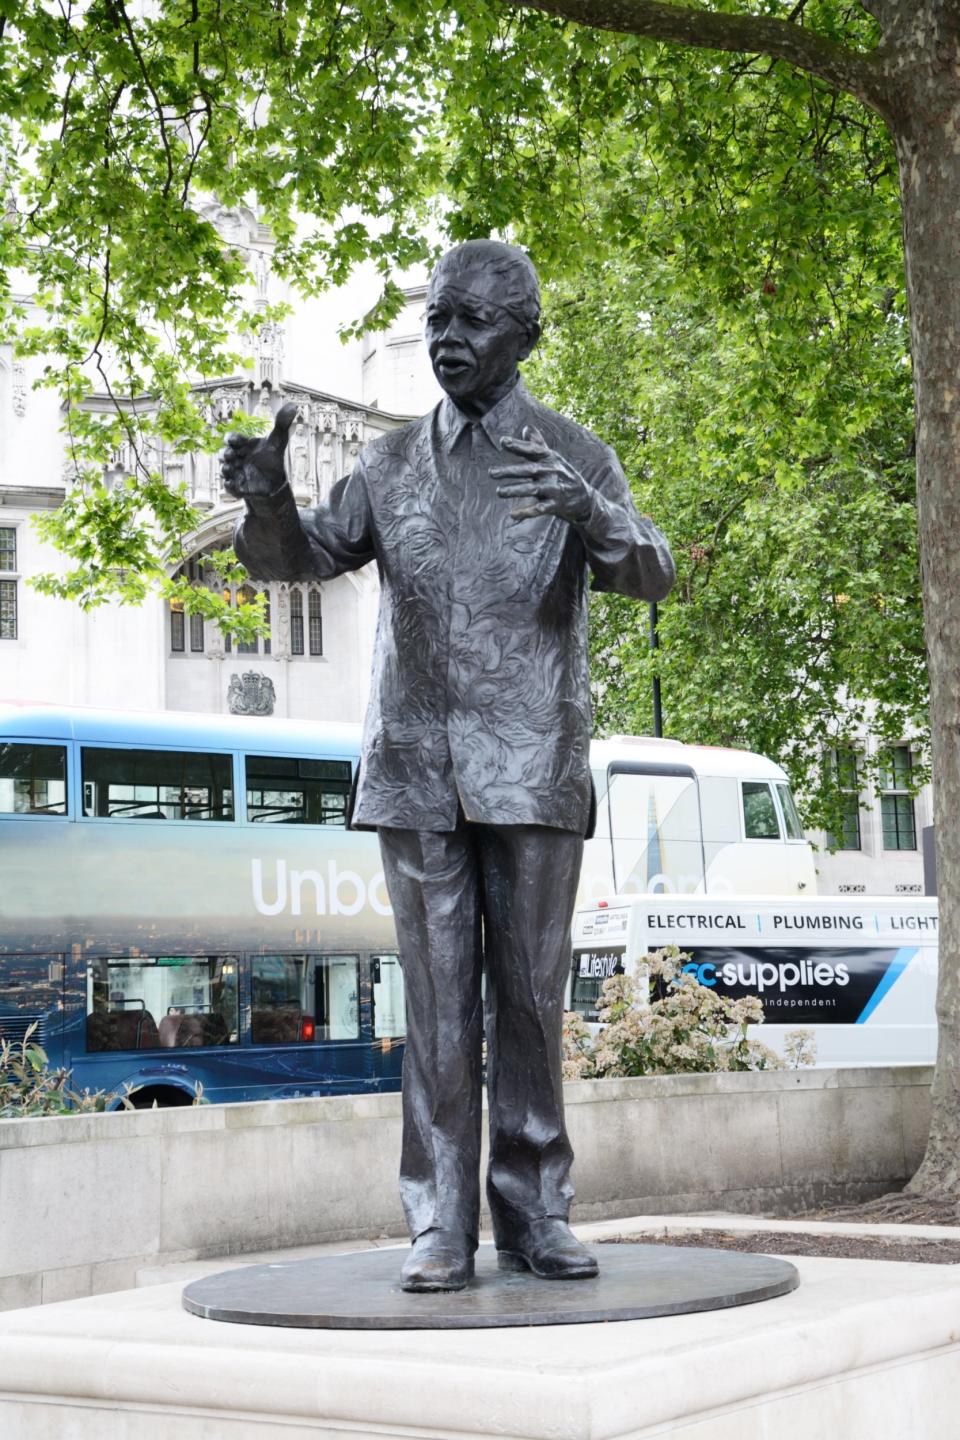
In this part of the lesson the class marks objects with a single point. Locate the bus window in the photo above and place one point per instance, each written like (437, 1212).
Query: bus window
(655, 829)
(338, 1011)
(33, 779)
(281, 1011)
(166, 1002)
(297, 998)
(157, 785)
(759, 811)
(287, 791)
(790, 816)
(389, 1006)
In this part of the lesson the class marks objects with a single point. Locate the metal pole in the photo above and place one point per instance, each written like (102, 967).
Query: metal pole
(655, 645)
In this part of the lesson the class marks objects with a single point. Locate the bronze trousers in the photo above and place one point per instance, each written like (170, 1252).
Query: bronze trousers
(493, 899)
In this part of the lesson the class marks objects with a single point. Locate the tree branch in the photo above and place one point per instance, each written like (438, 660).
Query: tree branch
(858, 73)
(119, 9)
(883, 11)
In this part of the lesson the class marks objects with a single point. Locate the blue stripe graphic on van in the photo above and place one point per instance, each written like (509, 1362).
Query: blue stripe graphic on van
(895, 969)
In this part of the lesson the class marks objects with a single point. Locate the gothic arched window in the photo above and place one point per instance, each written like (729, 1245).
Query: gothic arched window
(315, 621)
(242, 595)
(184, 629)
(306, 630)
(305, 609)
(296, 621)
(181, 625)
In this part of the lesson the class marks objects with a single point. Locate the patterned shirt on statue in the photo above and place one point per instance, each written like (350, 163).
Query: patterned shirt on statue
(480, 693)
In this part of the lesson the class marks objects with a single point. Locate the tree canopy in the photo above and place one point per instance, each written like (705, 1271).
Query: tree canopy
(342, 126)
(746, 352)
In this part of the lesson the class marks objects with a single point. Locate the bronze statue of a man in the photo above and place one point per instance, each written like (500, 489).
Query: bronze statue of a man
(483, 518)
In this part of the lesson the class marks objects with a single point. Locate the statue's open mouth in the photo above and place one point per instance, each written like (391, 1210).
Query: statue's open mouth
(452, 366)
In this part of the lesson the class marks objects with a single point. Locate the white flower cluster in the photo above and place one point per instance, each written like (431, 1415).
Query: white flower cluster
(662, 1021)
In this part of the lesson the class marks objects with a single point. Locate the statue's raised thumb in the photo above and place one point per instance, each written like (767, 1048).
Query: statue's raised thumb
(280, 434)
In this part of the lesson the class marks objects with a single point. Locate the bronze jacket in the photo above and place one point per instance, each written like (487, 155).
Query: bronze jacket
(480, 694)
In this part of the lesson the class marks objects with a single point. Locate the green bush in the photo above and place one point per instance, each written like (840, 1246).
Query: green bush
(662, 1021)
(29, 1087)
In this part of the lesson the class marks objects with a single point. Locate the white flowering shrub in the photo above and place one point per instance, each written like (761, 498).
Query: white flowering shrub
(662, 1021)
(800, 1048)
(577, 1049)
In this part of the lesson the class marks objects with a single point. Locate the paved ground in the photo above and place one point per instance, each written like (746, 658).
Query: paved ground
(920, 1249)
(932, 1244)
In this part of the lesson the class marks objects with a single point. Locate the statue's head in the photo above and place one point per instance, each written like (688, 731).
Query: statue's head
(483, 318)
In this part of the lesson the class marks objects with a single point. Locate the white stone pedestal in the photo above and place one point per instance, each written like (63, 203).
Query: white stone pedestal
(863, 1350)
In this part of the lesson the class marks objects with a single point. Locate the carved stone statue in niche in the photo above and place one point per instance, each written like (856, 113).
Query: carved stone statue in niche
(280, 624)
(300, 462)
(264, 405)
(326, 461)
(261, 274)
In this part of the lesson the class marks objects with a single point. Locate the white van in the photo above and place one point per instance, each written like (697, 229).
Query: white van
(692, 820)
(860, 972)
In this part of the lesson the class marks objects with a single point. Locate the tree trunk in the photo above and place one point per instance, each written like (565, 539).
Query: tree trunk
(926, 126)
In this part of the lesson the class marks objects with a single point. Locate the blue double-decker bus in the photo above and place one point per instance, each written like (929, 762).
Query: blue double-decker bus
(181, 902)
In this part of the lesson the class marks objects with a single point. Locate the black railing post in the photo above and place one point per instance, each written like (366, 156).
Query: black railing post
(655, 645)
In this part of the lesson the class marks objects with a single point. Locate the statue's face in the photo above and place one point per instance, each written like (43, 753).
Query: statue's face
(474, 345)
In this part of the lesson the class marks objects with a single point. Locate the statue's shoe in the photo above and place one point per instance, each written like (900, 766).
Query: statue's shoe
(549, 1248)
(439, 1260)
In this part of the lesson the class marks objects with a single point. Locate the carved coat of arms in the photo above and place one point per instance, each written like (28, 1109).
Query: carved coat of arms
(251, 694)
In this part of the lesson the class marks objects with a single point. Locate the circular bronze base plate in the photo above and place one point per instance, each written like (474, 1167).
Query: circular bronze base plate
(362, 1291)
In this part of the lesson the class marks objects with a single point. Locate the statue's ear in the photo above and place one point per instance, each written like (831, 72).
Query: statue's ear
(532, 336)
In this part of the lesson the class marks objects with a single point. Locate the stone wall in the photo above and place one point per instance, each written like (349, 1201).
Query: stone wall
(86, 1201)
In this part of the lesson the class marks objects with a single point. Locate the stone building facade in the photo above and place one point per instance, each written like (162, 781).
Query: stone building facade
(879, 846)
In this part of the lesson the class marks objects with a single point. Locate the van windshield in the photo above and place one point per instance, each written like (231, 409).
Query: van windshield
(790, 814)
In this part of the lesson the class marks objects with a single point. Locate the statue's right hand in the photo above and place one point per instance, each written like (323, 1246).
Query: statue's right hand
(253, 465)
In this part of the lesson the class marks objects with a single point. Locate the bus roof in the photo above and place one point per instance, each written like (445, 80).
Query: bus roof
(182, 728)
(702, 759)
(803, 904)
(188, 729)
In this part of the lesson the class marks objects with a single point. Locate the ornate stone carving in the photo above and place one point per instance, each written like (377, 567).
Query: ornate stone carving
(300, 476)
(301, 399)
(18, 387)
(174, 471)
(251, 694)
(280, 622)
(326, 462)
(236, 225)
(264, 405)
(268, 353)
(261, 275)
(223, 401)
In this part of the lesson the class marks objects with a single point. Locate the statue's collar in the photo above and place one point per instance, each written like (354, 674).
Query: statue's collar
(503, 419)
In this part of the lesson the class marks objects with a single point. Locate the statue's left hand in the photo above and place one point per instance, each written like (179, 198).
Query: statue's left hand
(546, 482)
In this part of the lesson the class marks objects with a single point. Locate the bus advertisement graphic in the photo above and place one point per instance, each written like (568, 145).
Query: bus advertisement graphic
(838, 986)
(591, 970)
